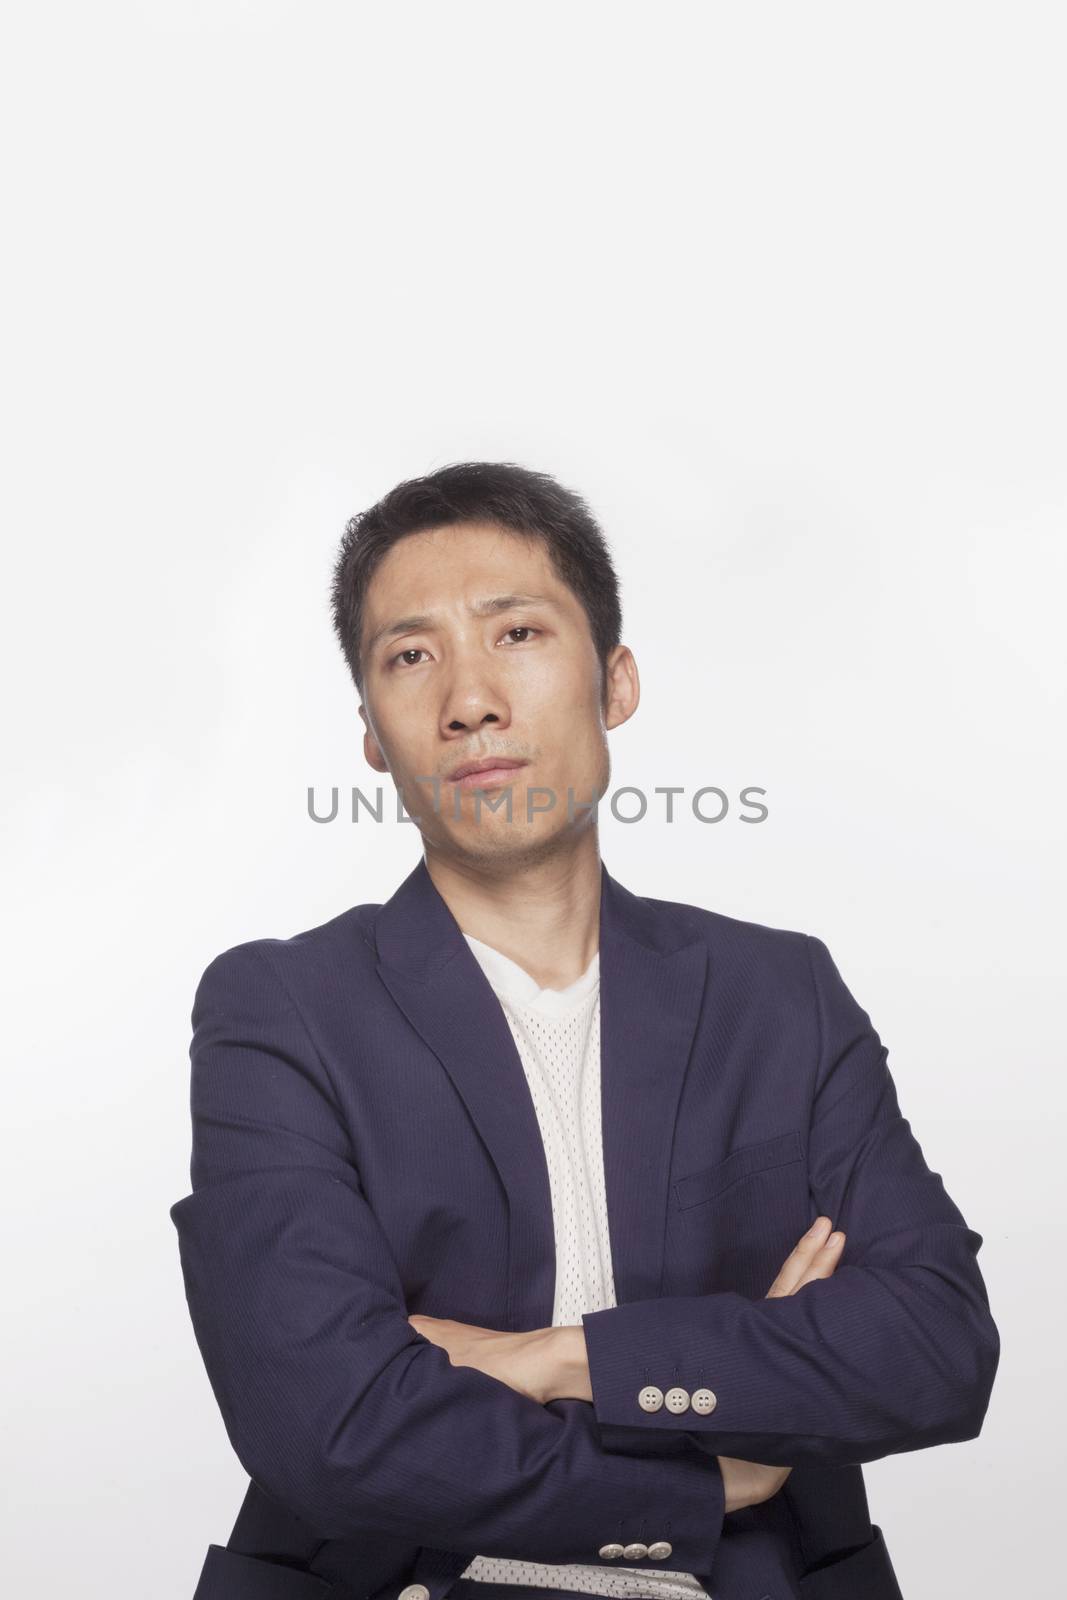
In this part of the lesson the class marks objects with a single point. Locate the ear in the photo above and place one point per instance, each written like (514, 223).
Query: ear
(372, 750)
(622, 689)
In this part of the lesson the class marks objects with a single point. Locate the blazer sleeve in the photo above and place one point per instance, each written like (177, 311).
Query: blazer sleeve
(896, 1351)
(336, 1407)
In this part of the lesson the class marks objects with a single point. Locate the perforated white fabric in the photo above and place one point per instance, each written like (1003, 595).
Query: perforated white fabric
(557, 1036)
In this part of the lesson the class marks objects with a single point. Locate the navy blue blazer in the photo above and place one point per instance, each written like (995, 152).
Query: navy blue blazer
(365, 1147)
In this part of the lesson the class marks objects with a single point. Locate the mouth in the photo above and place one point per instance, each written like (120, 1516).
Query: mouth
(489, 774)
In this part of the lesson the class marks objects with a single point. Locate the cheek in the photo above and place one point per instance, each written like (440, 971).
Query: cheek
(579, 763)
(560, 714)
(559, 676)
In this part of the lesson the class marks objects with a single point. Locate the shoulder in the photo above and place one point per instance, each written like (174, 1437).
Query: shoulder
(753, 952)
(764, 964)
(330, 953)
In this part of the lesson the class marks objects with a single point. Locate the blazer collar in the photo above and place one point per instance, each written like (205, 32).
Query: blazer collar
(652, 975)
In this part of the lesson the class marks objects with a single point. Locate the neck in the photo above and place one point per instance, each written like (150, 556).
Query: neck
(543, 914)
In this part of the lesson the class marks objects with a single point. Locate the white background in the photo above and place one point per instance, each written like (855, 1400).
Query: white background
(780, 289)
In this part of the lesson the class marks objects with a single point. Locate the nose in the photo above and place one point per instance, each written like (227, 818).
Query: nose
(458, 725)
(472, 699)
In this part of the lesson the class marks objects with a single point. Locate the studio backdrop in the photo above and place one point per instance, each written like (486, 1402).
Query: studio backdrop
(778, 289)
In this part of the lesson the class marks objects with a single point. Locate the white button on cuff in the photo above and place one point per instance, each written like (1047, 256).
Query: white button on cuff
(636, 1552)
(677, 1400)
(704, 1401)
(650, 1398)
(660, 1550)
(414, 1591)
(610, 1552)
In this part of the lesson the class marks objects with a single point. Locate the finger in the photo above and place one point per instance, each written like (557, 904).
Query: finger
(804, 1264)
(824, 1263)
(796, 1262)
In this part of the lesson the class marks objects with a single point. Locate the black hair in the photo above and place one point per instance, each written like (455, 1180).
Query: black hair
(516, 498)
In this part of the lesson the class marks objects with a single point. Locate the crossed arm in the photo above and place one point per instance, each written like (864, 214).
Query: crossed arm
(335, 1406)
(895, 1350)
(553, 1363)
(342, 1412)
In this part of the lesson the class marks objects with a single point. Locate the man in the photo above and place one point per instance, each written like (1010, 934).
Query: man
(497, 1249)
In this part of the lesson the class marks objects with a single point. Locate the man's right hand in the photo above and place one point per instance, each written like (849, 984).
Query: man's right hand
(748, 1483)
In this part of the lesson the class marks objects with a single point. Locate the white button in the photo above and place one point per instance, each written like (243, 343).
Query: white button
(636, 1552)
(414, 1591)
(610, 1552)
(660, 1550)
(677, 1400)
(704, 1401)
(650, 1398)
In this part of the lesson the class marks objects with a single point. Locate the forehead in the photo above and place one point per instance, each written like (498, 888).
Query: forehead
(460, 562)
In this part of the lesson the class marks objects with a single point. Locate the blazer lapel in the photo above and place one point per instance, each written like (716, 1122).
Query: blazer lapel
(652, 979)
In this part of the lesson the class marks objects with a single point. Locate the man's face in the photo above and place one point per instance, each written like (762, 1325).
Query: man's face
(521, 681)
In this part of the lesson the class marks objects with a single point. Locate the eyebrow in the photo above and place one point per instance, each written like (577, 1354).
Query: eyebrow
(480, 608)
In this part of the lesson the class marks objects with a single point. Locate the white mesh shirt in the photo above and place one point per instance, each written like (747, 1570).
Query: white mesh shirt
(557, 1036)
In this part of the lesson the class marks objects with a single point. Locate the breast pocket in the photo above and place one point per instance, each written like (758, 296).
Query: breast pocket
(746, 1162)
(734, 1222)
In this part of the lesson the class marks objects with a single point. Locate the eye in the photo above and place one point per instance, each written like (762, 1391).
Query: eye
(415, 650)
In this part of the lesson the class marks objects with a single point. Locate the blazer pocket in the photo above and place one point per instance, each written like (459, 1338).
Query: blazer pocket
(697, 1187)
(228, 1575)
(868, 1571)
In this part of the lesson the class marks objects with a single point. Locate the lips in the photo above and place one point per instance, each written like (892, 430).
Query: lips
(490, 769)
